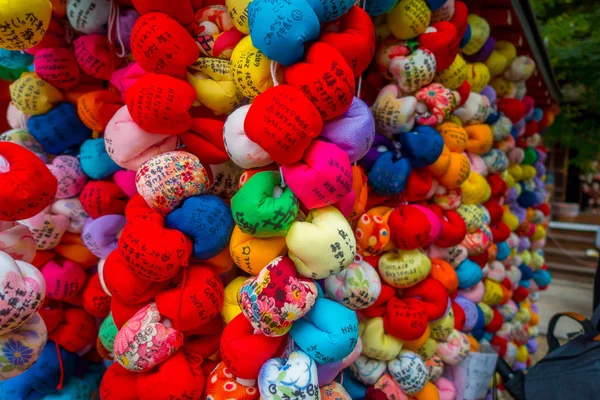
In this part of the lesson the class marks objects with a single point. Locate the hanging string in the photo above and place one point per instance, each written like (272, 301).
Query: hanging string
(62, 368)
(274, 65)
(113, 21)
(183, 282)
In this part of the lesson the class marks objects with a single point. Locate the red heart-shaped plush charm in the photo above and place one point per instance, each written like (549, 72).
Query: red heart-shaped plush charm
(405, 319)
(409, 228)
(76, 331)
(433, 296)
(325, 79)
(95, 300)
(443, 43)
(153, 252)
(201, 300)
(100, 198)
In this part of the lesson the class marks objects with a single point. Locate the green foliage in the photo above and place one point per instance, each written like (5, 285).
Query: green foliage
(571, 31)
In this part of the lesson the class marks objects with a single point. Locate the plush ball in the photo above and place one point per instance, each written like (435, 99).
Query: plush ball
(167, 179)
(409, 372)
(296, 374)
(28, 184)
(322, 177)
(409, 19)
(58, 67)
(288, 46)
(372, 232)
(95, 56)
(262, 208)
(356, 287)
(207, 220)
(279, 106)
(160, 104)
(404, 268)
(322, 245)
(328, 332)
(58, 129)
(312, 77)
(129, 146)
(146, 329)
(469, 274)
(243, 352)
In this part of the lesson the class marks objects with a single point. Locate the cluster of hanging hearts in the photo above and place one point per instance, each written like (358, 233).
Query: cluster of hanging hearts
(277, 199)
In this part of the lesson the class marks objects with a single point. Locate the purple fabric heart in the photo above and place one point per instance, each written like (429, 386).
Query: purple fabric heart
(100, 234)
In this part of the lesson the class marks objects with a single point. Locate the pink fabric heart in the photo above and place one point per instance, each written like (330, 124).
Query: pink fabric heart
(63, 281)
(126, 181)
(146, 340)
(16, 240)
(70, 176)
(47, 229)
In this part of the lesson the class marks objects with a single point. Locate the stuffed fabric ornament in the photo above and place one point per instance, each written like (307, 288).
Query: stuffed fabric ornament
(322, 177)
(325, 79)
(97, 108)
(389, 174)
(23, 138)
(413, 71)
(393, 112)
(442, 41)
(276, 320)
(71, 177)
(287, 47)
(214, 87)
(409, 19)
(422, 146)
(250, 69)
(36, 17)
(25, 176)
(22, 347)
(358, 119)
(242, 151)
(262, 208)
(439, 101)
(296, 376)
(356, 287)
(100, 235)
(409, 371)
(95, 56)
(215, 32)
(16, 240)
(207, 220)
(253, 254)
(59, 129)
(160, 104)
(58, 67)
(162, 46)
(95, 161)
(101, 198)
(23, 282)
(243, 352)
(146, 340)
(129, 146)
(222, 383)
(354, 39)
(328, 332)
(32, 95)
(322, 245)
(280, 106)
(63, 280)
(166, 180)
(404, 268)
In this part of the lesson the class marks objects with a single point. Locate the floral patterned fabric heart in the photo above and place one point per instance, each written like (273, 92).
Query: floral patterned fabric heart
(276, 297)
(19, 349)
(146, 340)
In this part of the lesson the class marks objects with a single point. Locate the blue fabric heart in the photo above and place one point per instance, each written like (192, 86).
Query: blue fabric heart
(526, 272)
(95, 161)
(469, 274)
(466, 37)
(503, 251)
(422, 147)
(435, 4)
(379, 7)
(355, 389)
(207, 220)
(279, 28)
(388, 175)
(15, 60)
(542, 277)
(328, 332)
(58, 129)
(527, 199)
(328, 10)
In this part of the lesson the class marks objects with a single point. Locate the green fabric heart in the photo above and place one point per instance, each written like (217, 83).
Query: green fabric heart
(262, 208)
